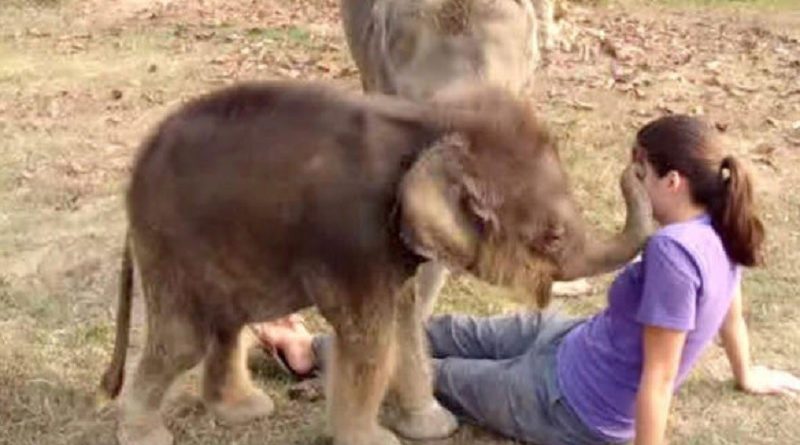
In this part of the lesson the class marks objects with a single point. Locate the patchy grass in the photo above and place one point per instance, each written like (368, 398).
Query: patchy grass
(294, 34)
(750, 4)
(81, 85)
(35, 3)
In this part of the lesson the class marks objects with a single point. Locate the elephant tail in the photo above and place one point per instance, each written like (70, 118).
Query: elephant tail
(111, 383)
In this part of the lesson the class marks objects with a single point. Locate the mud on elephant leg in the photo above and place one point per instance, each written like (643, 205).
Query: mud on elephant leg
(417, 414)
(227, 386)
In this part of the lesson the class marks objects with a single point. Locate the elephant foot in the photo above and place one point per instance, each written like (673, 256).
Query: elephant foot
(431, 422)
(242, 410)
(378, 436)
(144, 431)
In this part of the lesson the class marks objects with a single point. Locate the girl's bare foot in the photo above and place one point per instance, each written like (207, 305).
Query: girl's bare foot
(288, 337)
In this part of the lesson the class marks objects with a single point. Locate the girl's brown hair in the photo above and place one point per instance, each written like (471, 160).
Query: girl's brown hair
(720, 183)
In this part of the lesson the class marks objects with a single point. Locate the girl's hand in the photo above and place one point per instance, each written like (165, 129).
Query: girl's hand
(763, 380)
(637, 201)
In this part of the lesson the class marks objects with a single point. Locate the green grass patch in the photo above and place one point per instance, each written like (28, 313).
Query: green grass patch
(292, 34)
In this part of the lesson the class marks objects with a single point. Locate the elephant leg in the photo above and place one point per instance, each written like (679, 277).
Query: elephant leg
(227, 386)
(418, 415)
(361, 362)
(431, 278)
(173, 345)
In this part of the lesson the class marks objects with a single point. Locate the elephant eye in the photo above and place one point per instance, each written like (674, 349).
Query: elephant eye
(531, 233)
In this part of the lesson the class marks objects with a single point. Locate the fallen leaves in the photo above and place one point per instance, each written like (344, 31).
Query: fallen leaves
(791, 92)
(764, 154)
(764, 149)
(580, 105)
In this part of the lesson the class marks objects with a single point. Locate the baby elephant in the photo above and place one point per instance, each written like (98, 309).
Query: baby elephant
(259, 200)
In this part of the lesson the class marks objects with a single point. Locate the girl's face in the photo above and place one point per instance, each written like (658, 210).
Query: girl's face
(667, 193)
(659, 191)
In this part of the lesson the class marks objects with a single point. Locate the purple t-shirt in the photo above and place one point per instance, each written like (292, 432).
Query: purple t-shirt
(685, 281)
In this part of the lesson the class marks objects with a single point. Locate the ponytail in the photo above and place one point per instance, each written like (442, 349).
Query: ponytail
(734, 217)
(688, 145)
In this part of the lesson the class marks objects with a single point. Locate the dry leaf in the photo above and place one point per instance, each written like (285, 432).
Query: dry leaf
(764, 149)
(582, 105)
(790, 93)
(713, 66)
(766, 161)
(608, 48)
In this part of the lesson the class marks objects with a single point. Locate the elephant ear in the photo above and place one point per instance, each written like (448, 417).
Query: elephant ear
(443, 212)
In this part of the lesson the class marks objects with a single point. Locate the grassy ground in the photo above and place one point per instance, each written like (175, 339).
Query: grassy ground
(82, 81)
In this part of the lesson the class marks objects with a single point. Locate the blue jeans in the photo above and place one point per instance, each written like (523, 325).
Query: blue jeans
(500, 373)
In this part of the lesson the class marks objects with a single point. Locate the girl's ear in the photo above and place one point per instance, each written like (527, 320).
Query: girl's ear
(637, 154)
(674, 180)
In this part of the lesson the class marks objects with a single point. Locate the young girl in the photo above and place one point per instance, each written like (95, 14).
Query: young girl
(552, 380)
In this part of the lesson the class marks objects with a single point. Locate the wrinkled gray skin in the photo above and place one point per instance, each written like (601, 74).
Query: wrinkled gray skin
(419, 48)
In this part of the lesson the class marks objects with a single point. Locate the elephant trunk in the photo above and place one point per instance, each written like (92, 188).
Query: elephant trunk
(594, 256)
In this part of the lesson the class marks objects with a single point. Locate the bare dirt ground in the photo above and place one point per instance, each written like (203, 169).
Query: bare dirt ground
(83, 81)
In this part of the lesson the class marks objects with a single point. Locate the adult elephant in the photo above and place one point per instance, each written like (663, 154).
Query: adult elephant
(419, 48)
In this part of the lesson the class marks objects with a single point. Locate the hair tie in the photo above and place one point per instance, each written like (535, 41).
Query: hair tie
(725, 169)
(725, 174)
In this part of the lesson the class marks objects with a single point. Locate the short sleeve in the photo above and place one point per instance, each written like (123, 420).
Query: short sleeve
(670, 288)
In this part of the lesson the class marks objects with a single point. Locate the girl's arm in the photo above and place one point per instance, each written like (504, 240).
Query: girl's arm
(662, 354)
(752, 379)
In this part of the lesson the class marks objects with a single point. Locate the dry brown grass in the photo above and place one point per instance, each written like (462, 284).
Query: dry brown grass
(81, 84)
